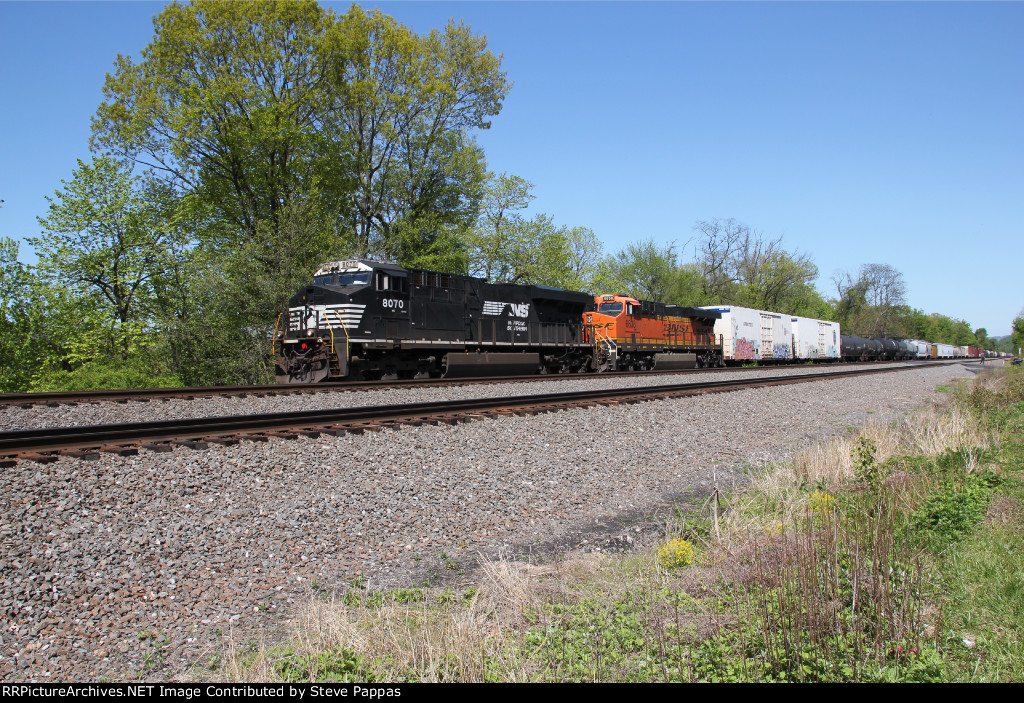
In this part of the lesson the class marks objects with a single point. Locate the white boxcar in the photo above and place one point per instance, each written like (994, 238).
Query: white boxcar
(815, 339)
(753, 335)
(923, 348)
(942, 351)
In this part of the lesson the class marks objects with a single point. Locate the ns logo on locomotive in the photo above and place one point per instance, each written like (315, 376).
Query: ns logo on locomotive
(363, 319)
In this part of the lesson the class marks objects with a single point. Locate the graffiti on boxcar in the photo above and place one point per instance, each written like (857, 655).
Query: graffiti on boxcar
(781, 351)
(746, 349)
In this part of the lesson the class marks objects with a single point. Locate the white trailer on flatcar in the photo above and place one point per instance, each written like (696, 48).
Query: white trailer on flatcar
(815, 339)
(753, 335)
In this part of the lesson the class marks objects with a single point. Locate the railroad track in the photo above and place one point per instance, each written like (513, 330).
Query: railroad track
(144, 395)
(87, 442)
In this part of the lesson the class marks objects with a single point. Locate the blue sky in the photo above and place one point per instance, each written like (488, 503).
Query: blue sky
(861, 132)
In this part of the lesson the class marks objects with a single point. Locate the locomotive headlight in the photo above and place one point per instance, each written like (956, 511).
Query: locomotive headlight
(310, 332)
(590, 318)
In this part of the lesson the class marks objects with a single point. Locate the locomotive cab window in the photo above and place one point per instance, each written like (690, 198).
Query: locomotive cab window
(388, 282)
(613, 309)
(353, 279)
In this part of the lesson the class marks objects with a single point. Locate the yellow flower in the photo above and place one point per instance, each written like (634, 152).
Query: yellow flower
(822, 502)
(676, 552)
(775, 530)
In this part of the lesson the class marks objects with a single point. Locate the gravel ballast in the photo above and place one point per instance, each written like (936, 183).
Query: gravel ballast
(140, 567)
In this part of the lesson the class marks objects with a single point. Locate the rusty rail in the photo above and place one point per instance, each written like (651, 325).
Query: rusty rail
(88, 441)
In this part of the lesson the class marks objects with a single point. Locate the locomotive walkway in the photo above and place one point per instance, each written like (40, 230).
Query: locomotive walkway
(86, 442)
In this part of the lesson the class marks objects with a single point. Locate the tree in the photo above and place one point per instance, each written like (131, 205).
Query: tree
(572, 259)
(720, 239)
(981, 334)
(648, 271)
(874, 302)
(17, 315)
(228, 102)
(741, 266)
(1017, 335)
(303, 136)
(407, 106)
(505, 245)
(105, 237)
(497, 245)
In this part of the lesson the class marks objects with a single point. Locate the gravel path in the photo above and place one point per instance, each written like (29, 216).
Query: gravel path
(138, 567)
(15, 418)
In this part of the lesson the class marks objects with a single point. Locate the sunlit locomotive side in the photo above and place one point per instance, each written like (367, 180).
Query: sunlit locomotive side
(637, 335)
(364, 319)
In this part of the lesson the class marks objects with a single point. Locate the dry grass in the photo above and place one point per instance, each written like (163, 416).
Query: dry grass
(829, 465)
(446, 637)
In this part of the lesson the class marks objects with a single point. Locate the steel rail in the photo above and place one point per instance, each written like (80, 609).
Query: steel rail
(85, 441)
(56, 398)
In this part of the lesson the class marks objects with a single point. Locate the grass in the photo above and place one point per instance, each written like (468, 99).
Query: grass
(891, 554)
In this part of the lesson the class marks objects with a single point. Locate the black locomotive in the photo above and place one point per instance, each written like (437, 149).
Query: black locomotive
(365, 319)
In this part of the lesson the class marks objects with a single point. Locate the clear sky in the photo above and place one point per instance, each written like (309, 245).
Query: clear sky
(861, 132)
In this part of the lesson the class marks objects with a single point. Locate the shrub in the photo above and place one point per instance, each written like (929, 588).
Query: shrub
(675, 553)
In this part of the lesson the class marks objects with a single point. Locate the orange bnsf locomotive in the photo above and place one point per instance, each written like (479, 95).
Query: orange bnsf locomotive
(638, 335)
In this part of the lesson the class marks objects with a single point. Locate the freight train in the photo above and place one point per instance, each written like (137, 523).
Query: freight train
(363, 319)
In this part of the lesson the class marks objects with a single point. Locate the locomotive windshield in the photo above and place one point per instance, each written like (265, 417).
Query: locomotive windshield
(612, 309)
(343, 279)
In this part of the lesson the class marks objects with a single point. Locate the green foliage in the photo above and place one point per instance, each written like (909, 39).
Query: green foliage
(596, 640)
(649, 271)
(960, 501)
(1017, 336)
(506, 246)
(864, 466)
(981, 573)
(935, 328)
(19, 355)
(106, 373)
(407, 105)
(105, 237)
(332, 666)
(227, 100)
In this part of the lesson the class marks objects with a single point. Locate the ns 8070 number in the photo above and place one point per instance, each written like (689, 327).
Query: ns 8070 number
(393, 303)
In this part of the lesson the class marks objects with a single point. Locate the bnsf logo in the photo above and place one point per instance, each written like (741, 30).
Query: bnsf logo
(495, 308)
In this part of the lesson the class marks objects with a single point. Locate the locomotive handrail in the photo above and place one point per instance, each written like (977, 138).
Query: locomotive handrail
(343, 329)
(273, 338)
(331, 330)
